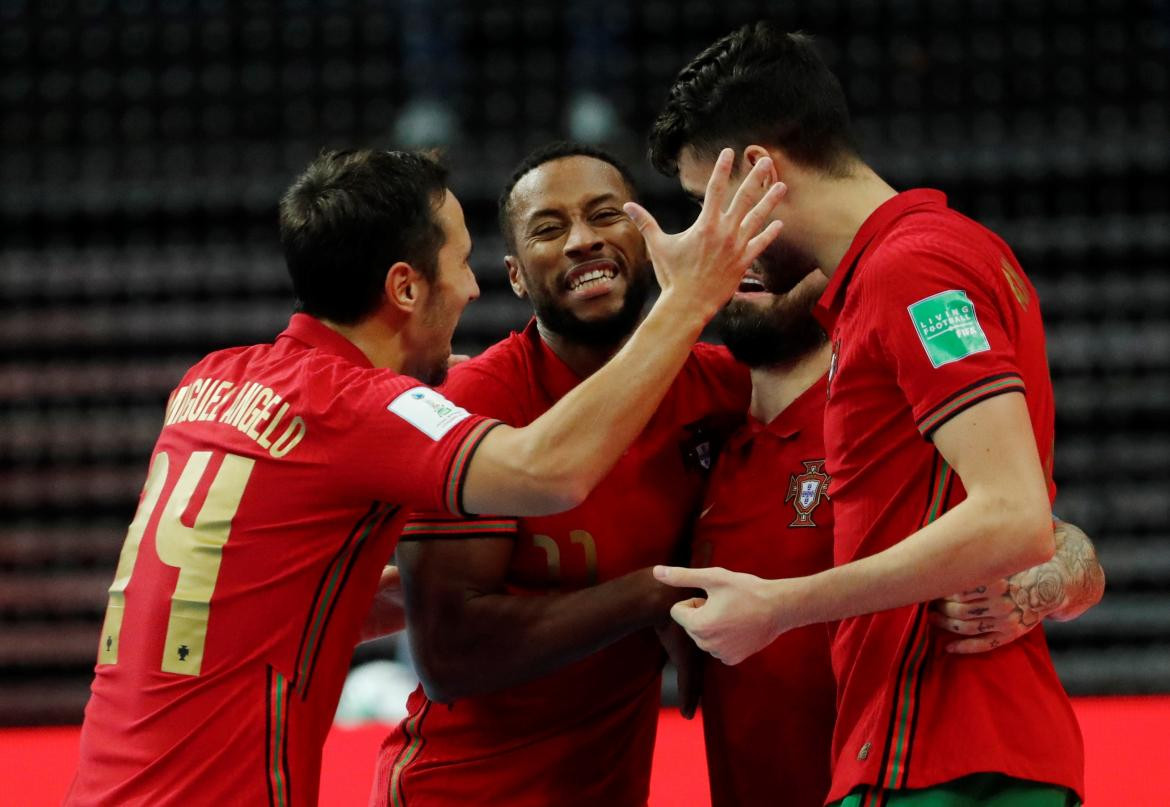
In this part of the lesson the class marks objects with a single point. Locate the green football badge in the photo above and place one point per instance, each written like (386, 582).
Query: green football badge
(947, 325)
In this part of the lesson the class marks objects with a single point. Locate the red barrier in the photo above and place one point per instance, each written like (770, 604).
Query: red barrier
(1128, 759)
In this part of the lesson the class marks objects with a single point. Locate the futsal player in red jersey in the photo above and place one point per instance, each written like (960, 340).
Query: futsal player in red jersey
(282, 473)
(938, 437)
(533, 639)
(768, 511)
(768, 722)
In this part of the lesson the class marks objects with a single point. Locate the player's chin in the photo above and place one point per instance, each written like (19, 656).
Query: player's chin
(601, 306)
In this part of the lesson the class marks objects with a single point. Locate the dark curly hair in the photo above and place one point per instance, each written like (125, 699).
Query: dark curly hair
(759, 84)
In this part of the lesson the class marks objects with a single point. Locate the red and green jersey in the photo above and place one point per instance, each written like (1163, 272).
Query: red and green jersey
(583, 735)
(929, 314)
(768, 721)
(276, 490)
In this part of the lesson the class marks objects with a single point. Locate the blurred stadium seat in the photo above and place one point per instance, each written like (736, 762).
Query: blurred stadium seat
(145, 144)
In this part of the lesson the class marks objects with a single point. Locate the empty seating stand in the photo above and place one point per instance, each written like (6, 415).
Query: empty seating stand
(144, 146)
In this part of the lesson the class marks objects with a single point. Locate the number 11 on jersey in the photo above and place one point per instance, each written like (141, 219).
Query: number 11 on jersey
(195, 551)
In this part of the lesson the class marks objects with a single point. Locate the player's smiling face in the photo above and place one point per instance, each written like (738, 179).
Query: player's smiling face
(578, 257)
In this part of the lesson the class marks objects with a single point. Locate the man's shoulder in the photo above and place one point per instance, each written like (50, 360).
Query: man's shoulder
(713, 375)
(710, 362)
(497, 382)
(705, 354)
(318, 380)
(932, 235)
(506, 363)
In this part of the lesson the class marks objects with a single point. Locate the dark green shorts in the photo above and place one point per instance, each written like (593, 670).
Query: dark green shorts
(977, 790)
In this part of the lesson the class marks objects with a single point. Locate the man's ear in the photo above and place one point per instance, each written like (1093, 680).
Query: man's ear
(404, 287)
(754, 153)
(515, 276)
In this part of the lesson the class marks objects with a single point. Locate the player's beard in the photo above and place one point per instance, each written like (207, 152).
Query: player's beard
(605, 332)
(776, 332)
(431, 369)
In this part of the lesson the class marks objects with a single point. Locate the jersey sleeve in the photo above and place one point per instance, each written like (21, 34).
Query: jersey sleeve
(433, 525)
(407, 445)
(946, 331)
(484, 391)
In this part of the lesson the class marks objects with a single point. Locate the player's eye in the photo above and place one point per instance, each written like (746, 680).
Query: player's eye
(545, 230)
(608, 215)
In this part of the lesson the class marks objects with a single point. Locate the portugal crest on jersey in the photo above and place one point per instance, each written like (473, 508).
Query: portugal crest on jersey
(806, 490)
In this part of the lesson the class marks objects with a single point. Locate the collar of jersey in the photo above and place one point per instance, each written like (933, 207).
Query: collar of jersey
(878, 222)
(788, 424)
(312, 332)
(554, 376)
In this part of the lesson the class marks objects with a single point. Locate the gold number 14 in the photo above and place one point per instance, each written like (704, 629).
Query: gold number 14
(195, 551)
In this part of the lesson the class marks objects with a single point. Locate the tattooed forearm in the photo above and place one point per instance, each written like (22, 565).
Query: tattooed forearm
(1064, 587)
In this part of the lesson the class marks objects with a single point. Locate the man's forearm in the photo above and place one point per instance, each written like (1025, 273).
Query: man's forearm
(975, 541)
(501, 640)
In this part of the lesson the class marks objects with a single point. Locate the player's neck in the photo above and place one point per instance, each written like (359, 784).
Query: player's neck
(837, 209)
(583, 359)
(775, 388)
(382, 345)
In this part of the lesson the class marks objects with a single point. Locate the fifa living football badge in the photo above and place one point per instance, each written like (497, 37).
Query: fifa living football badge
(806, 490)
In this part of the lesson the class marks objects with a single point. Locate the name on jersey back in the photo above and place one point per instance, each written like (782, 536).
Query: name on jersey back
(249, 407)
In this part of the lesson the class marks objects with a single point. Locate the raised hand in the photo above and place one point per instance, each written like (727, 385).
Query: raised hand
(704, 264)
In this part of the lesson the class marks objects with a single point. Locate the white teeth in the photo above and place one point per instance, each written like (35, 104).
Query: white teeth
(751, 284)
(591, 278)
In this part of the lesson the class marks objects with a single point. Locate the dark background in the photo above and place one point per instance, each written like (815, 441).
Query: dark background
(143, 147)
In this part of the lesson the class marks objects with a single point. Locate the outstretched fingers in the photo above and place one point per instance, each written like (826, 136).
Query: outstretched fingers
(760, 242)
(717, 184)
(753, 188)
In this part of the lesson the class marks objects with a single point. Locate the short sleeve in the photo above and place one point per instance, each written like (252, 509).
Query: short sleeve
(485, 392)
(407, 444)
(943, 326)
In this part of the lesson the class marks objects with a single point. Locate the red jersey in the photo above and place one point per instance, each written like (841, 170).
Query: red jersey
(768, 721)
(929, 314)
(275, 494)
(583, 735)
